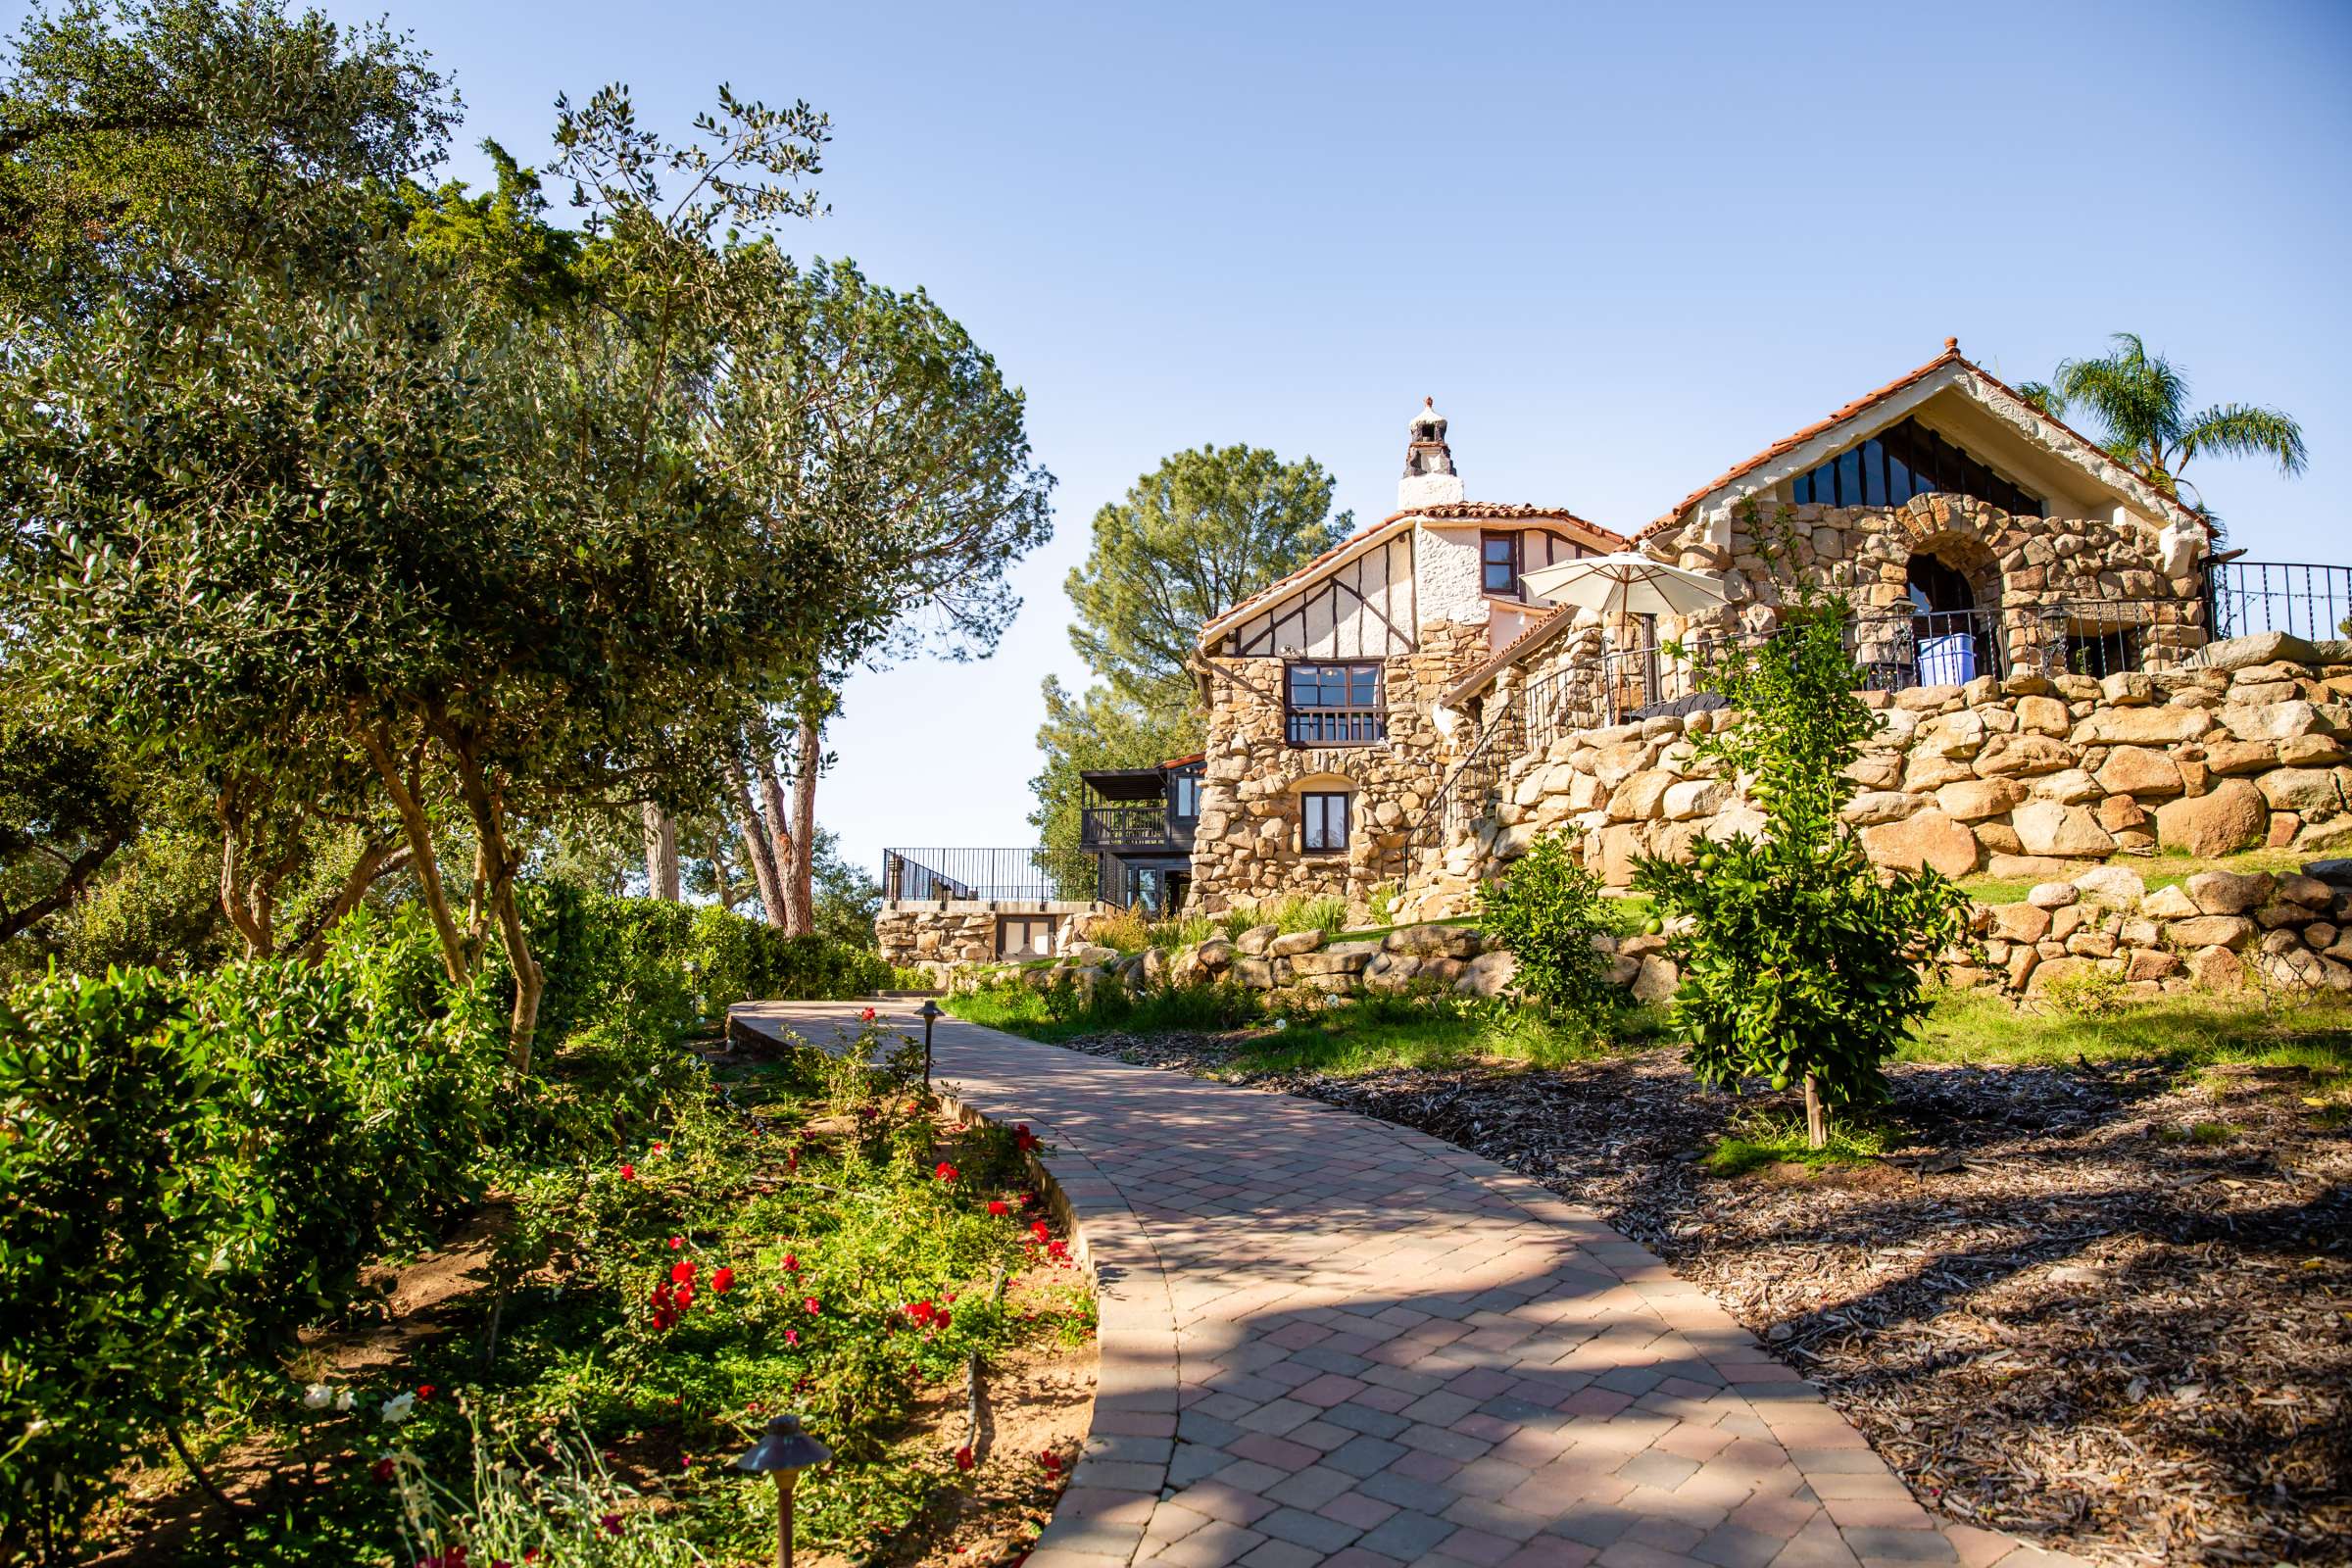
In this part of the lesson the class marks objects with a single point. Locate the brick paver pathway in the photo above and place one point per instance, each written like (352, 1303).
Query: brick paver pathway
(1329, 1339)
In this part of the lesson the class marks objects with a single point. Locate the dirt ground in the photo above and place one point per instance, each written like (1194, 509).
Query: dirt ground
(2107, 1311)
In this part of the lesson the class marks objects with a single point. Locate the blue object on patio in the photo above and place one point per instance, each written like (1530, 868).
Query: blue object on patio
(1949, 661)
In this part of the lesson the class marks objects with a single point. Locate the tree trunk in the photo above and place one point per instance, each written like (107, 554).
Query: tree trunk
(803, 889)
(660, 855)
(498, 868)
(378, 858)
(1817, 1115)
(720, 879)
(419, 835)
(758, 846)
(780, 829)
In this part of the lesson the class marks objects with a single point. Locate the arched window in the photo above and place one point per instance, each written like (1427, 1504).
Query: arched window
(1903, 460)
(1953, 642)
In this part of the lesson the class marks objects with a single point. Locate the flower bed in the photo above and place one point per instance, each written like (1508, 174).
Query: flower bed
(807, 1235)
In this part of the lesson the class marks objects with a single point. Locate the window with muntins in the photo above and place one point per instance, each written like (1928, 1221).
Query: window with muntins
(1323, 828)
(1498, 563)
(1333, 704)
(1906, 460)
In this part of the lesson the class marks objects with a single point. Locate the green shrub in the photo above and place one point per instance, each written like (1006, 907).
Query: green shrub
(674, 966)
(1800, 957)
(200, 1168)
(1546, 910)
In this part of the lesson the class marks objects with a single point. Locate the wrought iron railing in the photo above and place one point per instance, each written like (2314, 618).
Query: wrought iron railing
(1895, 652)
(1113, 828)
(2296, 597)
(1031, 874)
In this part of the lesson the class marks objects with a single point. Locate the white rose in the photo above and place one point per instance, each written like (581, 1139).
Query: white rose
(399, 1408)
(343, 1400)
(316, 1397)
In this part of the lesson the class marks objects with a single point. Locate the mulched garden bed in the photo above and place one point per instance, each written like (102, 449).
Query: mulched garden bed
(2107, 1311)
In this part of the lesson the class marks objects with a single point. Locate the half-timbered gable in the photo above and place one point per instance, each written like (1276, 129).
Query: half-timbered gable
(1359, 606)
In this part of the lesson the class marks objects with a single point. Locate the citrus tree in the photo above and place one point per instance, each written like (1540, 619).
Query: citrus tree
(1802, 961)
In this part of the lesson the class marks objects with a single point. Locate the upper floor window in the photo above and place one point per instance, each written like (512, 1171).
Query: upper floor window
(1333, 704)
(1498, 563)
(1184, 797)
(1902, 461)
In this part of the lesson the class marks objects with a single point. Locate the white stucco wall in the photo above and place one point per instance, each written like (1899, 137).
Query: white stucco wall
(1446, 569)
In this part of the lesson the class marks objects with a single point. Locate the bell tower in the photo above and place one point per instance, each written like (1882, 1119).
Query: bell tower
(1429, 478)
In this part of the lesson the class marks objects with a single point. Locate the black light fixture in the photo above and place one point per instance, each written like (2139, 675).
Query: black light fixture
(930, 1014)
(784, 1453)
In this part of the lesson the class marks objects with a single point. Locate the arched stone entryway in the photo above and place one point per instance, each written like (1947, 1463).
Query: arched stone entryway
(1952, 581)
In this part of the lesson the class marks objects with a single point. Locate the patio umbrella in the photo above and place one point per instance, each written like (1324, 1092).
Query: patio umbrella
(1627, 583)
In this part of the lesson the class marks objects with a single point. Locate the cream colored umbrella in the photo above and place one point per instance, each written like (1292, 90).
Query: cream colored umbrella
(1627, 583)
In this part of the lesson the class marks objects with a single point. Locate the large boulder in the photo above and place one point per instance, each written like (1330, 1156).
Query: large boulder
(1253, 942)
(2141, 726)
(2272, 721)
(2310, 791)
(1923, 839)
(2045, 828)
(2139, 770)
(1340, 958)
(1640, 797)
(1292, 944)
(2230, 892)
(1214, 953)
(1657, 980)
(2021, 755)
(2112, 885)
(2231, 817)
(2258, 648)
(1694, 798)
(1490, 974)
(2020, 922)
(2169, 904)
(2232, 931)
(1976, 799)
(1433, 940)
(1873, 806)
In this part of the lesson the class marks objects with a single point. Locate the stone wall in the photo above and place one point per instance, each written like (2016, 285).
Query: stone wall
(2022, 566)
(2216, 931)
(2031, 777)
(938, 934)
(1248, 846)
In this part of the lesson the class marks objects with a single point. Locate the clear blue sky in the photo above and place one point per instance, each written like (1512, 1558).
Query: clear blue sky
(1623, 246)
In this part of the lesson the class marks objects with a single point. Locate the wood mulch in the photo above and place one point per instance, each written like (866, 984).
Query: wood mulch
(2110, 1312)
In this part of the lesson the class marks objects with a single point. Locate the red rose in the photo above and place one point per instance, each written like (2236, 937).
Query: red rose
(681, 1273)
(612, 1524)
(685, 1296)
(792, 1264)
(676, 1242)
(382, 1468)
(945, 1172)
(628, 1173)
(722, 1279)
(814, 1306)
(1023, 1138)
(1037, 1228)
(998, 1208)
(424, 1391)
(867, 1015)
(964, 1457)
(1051, 1460)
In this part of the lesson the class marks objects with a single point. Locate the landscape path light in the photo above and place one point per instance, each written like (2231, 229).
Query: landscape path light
(784, 1453)
(930, 1014)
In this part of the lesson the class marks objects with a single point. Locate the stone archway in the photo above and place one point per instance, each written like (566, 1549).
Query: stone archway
(1952, 580)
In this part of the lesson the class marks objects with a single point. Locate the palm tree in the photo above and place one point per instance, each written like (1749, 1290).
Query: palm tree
(2141, 399)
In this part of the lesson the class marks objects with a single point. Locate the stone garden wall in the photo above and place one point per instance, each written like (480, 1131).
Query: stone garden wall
(2035, 777)
(939, 934)
(2102, 933)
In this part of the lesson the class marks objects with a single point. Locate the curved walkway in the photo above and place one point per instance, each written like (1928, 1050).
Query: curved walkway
(1330, 1340)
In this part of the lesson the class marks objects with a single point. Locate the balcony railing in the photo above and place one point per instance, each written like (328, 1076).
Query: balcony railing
(1114, 827)
(2306, 601)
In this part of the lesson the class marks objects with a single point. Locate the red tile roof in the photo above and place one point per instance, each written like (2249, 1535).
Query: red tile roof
(1950, 355)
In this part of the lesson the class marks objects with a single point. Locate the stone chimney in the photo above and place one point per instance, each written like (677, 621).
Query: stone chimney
(1429, 478)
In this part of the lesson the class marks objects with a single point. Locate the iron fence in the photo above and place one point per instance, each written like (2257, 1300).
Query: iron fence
(1030, 874)
(2303, 599)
